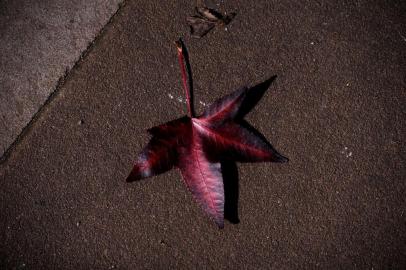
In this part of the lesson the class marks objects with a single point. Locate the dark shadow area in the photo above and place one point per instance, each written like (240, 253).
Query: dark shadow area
(229, 168)
(251, 99)
(229, 171)
(253, 96)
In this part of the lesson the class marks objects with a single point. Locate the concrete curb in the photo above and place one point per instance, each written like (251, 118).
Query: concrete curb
(40, 43)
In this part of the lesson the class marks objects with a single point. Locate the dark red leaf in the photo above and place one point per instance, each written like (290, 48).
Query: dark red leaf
(161, 153)
(199, 145)
(232, 141)
(225, 108)
(203, 178)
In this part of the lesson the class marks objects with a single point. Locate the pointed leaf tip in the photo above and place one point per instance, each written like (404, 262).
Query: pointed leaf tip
(203, 178)
(253, 96)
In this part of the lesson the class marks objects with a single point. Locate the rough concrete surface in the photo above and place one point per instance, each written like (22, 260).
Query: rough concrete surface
(336, 109)
(39, 42)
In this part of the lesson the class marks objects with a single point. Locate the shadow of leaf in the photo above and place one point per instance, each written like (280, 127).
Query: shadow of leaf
(231, 190)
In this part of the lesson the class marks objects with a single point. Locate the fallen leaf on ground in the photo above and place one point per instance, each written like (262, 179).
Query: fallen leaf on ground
(205, 20)
(197, 145)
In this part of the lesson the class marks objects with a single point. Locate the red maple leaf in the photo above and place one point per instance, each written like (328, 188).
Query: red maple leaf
(197, 146)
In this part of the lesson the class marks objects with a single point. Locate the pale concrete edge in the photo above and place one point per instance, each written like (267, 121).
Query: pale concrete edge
(10, 149)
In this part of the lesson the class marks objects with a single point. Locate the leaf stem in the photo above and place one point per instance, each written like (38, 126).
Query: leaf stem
(185, 77)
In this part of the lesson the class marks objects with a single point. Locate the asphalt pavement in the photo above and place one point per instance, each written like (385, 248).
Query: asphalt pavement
(336, 110)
